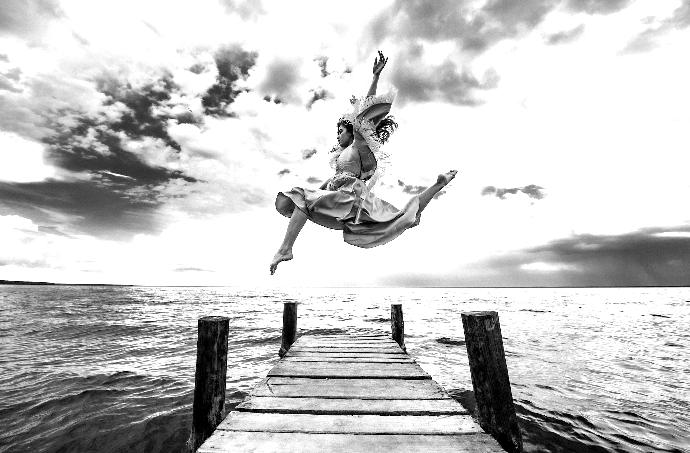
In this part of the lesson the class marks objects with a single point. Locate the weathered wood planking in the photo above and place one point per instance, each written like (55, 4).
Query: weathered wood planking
(351, 424)
(348, 349)
(348, 393)
(350, 359)
(350, 388)
(347, 406)
(233, 441)
(352, 370)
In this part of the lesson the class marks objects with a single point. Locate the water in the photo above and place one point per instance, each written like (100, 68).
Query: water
(111, 369)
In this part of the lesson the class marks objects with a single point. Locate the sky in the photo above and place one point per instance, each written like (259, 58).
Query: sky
(145, 142)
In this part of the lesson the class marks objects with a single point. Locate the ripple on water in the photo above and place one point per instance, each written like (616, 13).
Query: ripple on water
(112, 369)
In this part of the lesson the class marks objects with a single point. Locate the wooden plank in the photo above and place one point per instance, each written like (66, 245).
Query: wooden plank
(349, 339)
(379, 350)
(343, 406)
(352, 370)
(234, 441)
(350, 424)
(376, 336)
(345, 344)
(349, 355)
(350, 388)
(357, 359)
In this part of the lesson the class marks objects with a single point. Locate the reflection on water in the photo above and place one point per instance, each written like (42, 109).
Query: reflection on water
(112, 368)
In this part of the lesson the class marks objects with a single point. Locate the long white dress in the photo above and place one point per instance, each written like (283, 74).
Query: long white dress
(346, 204)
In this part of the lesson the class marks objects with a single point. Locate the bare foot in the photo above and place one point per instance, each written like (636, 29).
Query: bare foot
(278, 257)
(445, 178)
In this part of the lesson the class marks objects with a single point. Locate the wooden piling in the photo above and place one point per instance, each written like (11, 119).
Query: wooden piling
(490, 378)
(398, 325)
(289, 327)
(209, 382)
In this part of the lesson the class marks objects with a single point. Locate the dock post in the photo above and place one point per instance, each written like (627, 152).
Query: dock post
(289, 327)
(490, 378)
(398, 325)
(209, 380)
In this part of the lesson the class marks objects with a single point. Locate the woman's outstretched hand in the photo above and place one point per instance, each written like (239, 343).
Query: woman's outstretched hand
(379, 63)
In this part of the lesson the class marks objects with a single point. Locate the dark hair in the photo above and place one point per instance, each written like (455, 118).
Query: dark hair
(384, 128)
(346, 124)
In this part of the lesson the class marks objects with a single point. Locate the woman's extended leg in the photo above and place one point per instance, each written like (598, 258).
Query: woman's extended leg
(426, 196)
(284, 253)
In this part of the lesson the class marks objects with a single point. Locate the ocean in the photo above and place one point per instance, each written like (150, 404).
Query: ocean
(111, 369)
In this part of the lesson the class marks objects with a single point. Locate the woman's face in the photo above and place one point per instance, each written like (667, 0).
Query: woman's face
(344, 137)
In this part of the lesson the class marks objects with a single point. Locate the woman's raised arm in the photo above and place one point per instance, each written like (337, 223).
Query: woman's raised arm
(379, 63)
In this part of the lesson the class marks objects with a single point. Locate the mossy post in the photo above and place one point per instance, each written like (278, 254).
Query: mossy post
(398, 325)
(490, 378)
(289, 327)
(209, 381)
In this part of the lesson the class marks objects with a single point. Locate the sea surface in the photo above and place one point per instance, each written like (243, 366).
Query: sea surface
(111, 369)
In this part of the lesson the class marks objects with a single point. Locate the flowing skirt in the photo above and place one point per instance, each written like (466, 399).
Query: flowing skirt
(379, 222)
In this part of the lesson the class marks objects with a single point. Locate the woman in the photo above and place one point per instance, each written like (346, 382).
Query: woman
(344, 201)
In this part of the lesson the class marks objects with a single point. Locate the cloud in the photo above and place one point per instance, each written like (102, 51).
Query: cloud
(565, 36)
(233, 64)
(473, 28)
(82, 207)
(465, 29)
(322, 61)
(532, 191)
(28, 18)
(317, 95)
(445, 82)
(597, 6)
(414, 190)
(649, 257)
(246, 9)
(282, 78)
(191, 269)
(648, 39)
(9, 80)
(308, 153)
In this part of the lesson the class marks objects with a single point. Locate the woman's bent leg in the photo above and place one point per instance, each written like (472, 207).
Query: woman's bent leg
(284, 253)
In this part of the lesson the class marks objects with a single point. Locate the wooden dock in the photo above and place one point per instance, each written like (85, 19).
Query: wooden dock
(348, 393)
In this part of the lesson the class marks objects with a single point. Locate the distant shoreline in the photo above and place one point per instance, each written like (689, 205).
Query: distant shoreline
(22, 282)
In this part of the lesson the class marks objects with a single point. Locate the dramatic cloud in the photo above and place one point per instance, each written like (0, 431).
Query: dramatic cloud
(651, 257)
(233, 64)
(532, 191)
(473, 28)
(96, 208)
(566, 36)
(419, 82)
